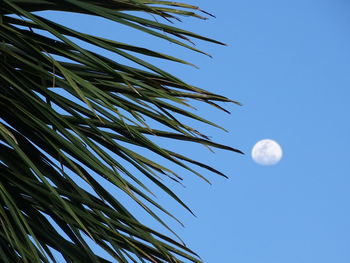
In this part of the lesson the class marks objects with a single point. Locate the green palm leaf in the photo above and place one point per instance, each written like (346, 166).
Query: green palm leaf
(68, 112)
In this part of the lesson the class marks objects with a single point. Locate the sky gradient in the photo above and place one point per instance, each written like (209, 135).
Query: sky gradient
(288, 63)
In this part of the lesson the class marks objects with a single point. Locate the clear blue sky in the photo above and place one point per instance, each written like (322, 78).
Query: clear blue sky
(288, 62)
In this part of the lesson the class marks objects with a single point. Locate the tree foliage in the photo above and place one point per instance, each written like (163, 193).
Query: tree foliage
(68, 112)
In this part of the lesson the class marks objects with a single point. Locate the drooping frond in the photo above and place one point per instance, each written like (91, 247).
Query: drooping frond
(68, 112)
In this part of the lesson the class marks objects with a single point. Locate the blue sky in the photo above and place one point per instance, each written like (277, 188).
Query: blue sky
(288, 63)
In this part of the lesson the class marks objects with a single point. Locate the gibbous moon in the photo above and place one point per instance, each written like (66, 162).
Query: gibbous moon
(267, 152)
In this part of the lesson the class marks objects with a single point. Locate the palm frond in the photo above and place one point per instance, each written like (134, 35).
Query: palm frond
(68, 112)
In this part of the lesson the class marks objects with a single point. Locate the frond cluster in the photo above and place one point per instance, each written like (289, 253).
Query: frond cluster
(67, 111)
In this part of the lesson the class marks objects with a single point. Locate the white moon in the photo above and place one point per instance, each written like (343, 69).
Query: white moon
(267, 152)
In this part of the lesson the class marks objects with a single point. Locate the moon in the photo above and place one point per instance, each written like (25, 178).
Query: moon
(267, 152)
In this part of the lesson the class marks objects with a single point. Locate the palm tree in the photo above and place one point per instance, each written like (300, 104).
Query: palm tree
(68, 113)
